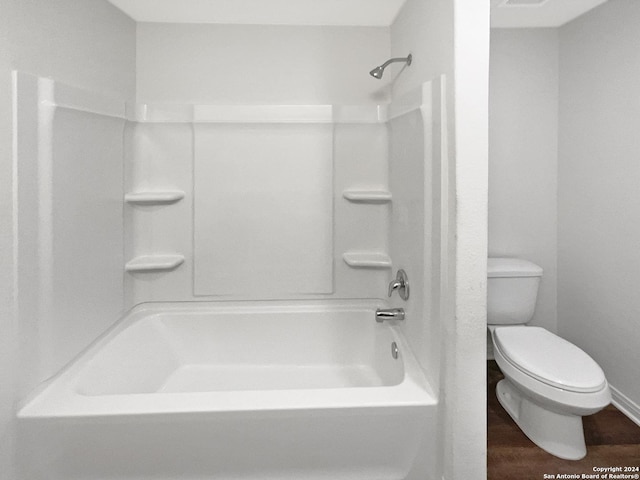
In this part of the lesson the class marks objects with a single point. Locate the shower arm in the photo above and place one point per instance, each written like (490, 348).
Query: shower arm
(379, 70)
(406, 60)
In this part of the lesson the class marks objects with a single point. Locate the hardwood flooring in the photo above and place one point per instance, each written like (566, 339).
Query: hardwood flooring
(612, 441)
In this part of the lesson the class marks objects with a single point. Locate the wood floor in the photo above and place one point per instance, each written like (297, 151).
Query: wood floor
(612, 440)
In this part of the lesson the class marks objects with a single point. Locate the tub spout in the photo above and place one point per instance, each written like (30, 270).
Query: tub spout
(389, 314)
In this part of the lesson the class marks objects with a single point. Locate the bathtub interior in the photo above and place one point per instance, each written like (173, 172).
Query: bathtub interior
(178, 248)
(235, 351)
(249, 358)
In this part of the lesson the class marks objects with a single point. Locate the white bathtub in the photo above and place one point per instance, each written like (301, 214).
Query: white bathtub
(236, 391)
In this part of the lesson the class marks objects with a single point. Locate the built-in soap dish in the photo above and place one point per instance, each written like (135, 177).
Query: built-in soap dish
(154, 197)
(361, 259)
(154, 263)
(367, 196)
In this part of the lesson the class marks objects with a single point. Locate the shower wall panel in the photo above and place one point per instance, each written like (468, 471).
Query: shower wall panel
(70, 254)
(86, 230)
(418, 153)
(263, 213)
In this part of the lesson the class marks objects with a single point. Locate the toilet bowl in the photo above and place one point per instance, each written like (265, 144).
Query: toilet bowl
(549, 383)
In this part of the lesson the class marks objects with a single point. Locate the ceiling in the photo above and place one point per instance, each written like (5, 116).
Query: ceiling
(538, 13)
(504, 13)
(264, 12)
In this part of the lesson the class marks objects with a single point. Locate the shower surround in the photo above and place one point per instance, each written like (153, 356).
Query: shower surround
(268, 367)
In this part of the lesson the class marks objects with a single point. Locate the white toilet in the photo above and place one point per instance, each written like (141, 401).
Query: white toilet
(549, 383)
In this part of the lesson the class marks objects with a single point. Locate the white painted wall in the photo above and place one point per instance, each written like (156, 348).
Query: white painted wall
(84, 43)
(7, 266)
(452, 38)
(466, 381)
(243, 64)
(599, 199)
(523, 155)
(424, 29)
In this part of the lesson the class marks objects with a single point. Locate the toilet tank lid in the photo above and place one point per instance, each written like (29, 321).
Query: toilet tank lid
(512, 267)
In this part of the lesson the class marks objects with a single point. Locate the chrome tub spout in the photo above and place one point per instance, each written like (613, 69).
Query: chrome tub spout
(383, 314)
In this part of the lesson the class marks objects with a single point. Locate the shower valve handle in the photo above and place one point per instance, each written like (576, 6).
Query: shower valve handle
(401, 283)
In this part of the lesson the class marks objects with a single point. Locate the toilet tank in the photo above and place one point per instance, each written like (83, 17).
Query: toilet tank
(512, 289)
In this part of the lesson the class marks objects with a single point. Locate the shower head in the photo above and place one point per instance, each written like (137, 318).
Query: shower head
(379, 70)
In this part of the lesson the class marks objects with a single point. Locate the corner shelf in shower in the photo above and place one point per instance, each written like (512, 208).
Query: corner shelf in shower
(154, 197)
(362, 259)
(154, 263)
(367, 196)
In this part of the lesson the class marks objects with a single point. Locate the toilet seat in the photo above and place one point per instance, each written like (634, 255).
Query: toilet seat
(549, 359)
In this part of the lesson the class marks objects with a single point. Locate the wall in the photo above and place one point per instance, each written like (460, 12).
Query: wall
(599, 199)
(424, 29)
(451, 38)
(523, 155)
(7, 267)
(85, 43)
(261, 65)
(466, 381)
(232, 64)
(88, 44)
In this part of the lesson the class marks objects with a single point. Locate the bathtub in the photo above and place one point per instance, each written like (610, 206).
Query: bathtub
(264, 391)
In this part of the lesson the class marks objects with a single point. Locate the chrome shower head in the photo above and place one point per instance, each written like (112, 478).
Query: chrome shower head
(379, 70)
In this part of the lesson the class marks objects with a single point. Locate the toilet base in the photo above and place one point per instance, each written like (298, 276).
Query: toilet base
(559, 434)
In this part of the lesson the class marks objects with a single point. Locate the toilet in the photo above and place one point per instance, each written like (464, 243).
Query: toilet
(549, 384)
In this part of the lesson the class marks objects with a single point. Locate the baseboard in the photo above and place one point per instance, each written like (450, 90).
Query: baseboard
(625, 405)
